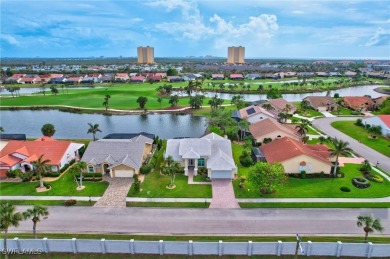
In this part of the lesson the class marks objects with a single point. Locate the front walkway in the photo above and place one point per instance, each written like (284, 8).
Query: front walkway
(191, 178)
(223, 194)
(116, 193)
(328, 114)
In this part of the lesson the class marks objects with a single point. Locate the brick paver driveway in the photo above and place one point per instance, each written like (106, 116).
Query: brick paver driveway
(116, 193)
(223, 194)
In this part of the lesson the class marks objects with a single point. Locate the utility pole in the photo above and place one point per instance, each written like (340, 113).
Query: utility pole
(298, 246)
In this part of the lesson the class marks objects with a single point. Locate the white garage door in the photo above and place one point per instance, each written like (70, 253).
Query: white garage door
(124, 173)
(221, 174)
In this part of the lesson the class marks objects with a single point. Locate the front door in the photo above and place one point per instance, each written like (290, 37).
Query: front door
(191, 163)
(106, 170)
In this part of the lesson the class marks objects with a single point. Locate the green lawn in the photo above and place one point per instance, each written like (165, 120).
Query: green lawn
(342, 112)
(311, 187)
(380, 144)
(309, 112)
(65, 186)
(250, 205)
(45, 202)
(201, 178)
(169, 204)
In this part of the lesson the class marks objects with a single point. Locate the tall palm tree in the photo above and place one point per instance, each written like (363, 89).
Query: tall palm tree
(93, 128)
(8, 218)
(267, 106)
(40, 166)
(35, 214)
(302, 128)
(369, 225)
(106, 101)
(340, 148)
(243, 126)
(80, 167)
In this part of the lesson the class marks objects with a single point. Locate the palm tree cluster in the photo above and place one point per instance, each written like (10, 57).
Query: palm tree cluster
(196, 101)
(340, 148)
(215, 102)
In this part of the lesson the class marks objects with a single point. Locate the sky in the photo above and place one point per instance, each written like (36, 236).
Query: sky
(181, 28)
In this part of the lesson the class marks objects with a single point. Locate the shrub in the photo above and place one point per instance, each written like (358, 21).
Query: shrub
(359, 122)
(202, 170)
(64, 168)
(267, 140)
(13, 173)
(232, 135)
(145, 169)
(137, 186)
(51, 174)
(70, 202)
(46, 185)
(246, 159)
(90, 175)
(303, 174)
(345, 189)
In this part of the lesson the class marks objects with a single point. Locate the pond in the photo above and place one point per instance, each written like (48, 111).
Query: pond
(75, 126)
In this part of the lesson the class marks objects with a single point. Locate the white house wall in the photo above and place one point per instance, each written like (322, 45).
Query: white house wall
(70, 153)
(376, 121)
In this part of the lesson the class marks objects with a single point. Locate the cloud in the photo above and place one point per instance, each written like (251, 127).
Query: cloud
(380, 38)
(9, 39)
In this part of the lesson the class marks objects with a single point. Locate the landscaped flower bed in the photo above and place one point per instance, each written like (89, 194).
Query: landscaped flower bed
(360, 182)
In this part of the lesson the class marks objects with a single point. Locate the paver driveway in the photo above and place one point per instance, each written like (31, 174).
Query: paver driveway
(116, 193)
(223, 194)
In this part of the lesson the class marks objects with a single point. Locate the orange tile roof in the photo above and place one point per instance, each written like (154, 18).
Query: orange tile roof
(52, 150)
(280, 104)
(357, 101)
(267, 126)
(385, 119)
(286, 148)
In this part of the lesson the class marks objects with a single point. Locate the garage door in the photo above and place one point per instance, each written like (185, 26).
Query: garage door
(124, 173)
(221, 174)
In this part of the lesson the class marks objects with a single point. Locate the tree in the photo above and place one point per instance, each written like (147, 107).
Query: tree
(93, 128)
(215, 102)
(142, 100)
(375, 131)
(40, 166)
(303, 127)
(43, 88)
(238, 100)
(267, 106)
(106, 101)
(173, 100)
(48, 130)
(79, 168)
(222, 119)
(282, 117)
(369, 225)
(243, 126)
(273, 93)
(322, 139)
(35, 214)
(172, 72)
(8, 218)
(1, 129)
(268, 177)
(11, 90)
(196, 101)
(340, 147)
(159, 100)
(305, 105)
(171, 168)
(53, 90)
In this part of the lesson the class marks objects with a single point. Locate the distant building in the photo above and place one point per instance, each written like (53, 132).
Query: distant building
(145, 55)
(236, 55)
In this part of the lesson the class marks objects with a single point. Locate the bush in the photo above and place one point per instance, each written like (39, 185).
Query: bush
(303, 174)
(145, 169)
(373, 178)
(359, 122)
(51, 174)
(267, 140)
(46, 185)
(70, 203)
(360, 182)
(246, 159)
(345, 189)
(90, 175)
(64, 168)
(13, 173)
(137, 185)
(202, 170)
(232, 135)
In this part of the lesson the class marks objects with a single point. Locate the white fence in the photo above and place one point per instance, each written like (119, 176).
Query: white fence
(161, 247)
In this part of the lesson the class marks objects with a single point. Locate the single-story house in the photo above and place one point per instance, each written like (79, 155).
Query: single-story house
(175, 79)
(20, 154)
(117, 157)
(350, 73)
(74, 80)
(362, 103)
(334, 74)
(253, 76)
(44, 78)
(321, 103)
(16, 76)
(163, 75)
(211, 151)
(28, 80)
(253, 114)
(137, 79)
(189, 77)
(281, 105)
(380, 120)
(271, 129)
(58, 80)
(379, 100)
(236, 77)
(297, 157)
(121, 77)
(155, 78)
(90, 79)
(217, 77)
(271, 75)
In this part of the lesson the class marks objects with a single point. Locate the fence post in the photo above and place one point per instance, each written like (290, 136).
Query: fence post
(131, 244)
(190, 247)
(103, 245)
(308, 248)
(220, 248)
(338, 248)
(44, 244)
(250, 248)
(74, 246)
(16, 239)
(370, 247)
(161, 247)
(279, 248)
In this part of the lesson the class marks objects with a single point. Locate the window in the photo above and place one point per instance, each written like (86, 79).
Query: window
(91, 169)
(310, 167)
(201, 162)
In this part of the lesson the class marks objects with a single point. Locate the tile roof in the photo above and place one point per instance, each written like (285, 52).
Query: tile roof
(385, 119)
(254, 110)
(319, 101)
(236, 76)
(286, 148)
(267, 126)
(357, 101)
(280, 104)
(53, 150)
(117, 151)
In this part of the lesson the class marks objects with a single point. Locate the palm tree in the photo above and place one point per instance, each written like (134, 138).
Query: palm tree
(302, 128)
(369, 225)
(106, 101)
(142, 100)
(93, 128)
(40, 167)
(35, 214)
(171, 169)
(267, 106)
(243, 126)
(8, 218)
(80, 167)
(322, 139)
(340, 148)
(48, 130)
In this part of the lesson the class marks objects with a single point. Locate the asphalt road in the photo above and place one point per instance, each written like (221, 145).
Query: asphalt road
(204, 221)
(371, 155)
